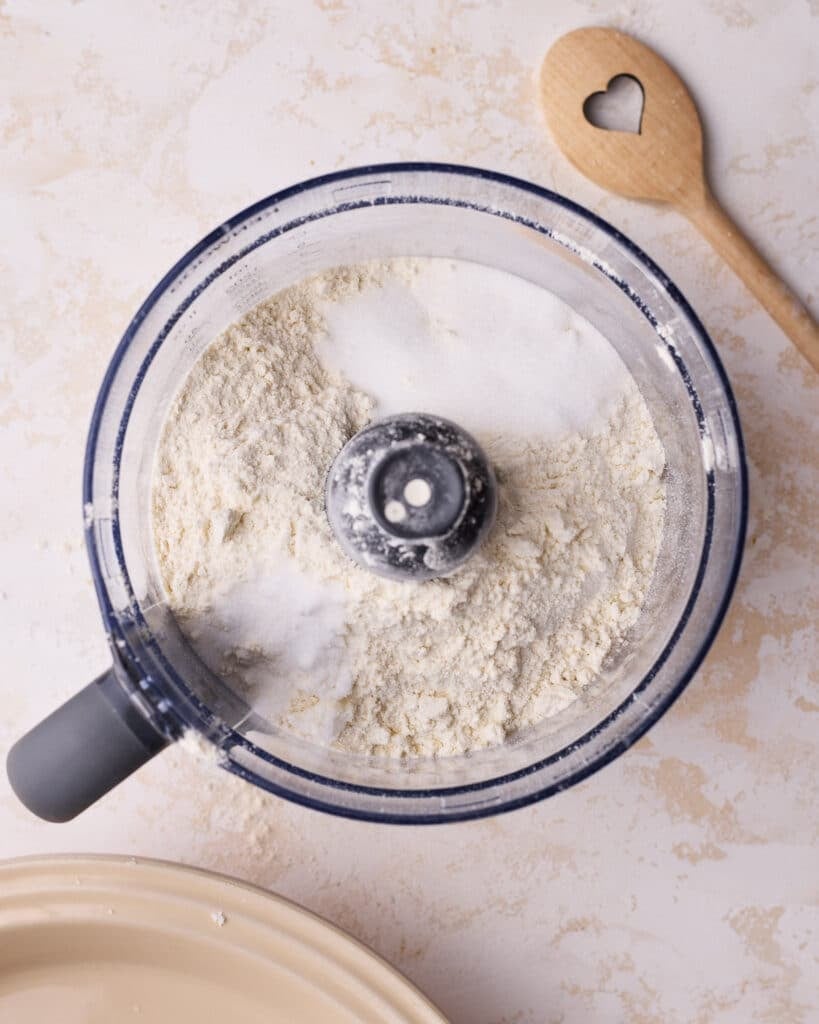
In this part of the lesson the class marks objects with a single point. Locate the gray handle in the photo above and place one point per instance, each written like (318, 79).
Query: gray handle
(81, 750)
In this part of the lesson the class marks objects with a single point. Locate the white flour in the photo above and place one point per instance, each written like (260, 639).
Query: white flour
(334, 653)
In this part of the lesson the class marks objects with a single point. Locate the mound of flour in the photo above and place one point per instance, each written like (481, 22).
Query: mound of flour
(325, 649)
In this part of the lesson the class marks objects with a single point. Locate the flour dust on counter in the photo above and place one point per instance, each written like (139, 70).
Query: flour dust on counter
(327, 650)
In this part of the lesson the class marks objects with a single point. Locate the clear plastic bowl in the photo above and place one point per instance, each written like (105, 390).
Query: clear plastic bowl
(422, 210)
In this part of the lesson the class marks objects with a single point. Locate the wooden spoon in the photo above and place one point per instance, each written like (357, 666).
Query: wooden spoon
(662, 162)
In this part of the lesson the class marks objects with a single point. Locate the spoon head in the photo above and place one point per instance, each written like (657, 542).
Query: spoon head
(663, 160)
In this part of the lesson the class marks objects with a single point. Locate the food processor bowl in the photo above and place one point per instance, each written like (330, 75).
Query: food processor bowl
(158, 687)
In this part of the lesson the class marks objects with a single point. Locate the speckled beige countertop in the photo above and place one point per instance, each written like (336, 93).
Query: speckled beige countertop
(678, 885)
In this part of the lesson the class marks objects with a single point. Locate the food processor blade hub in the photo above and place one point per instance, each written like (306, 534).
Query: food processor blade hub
(411, 497)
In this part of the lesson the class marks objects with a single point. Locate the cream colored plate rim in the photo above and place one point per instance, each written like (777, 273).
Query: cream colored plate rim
(87, 895)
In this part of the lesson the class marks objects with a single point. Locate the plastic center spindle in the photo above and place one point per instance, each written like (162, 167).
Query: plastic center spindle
(411, 497)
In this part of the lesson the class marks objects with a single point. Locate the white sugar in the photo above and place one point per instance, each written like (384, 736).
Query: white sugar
(494, 353)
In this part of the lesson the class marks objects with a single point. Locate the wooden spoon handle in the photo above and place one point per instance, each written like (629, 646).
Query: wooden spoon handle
(794, 319)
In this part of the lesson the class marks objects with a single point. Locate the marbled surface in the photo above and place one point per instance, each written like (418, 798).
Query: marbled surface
(678, 885)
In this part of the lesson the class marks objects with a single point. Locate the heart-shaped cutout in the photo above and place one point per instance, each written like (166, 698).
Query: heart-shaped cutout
(619, 108)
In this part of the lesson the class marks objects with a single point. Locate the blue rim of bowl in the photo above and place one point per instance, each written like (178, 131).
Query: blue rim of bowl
(594, 764)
